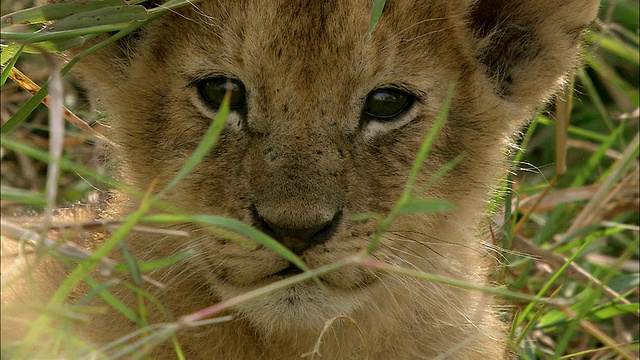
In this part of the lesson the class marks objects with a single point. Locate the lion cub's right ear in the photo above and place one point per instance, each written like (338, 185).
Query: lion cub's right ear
(526, 46)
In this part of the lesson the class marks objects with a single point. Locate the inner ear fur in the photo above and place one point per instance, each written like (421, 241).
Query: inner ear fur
(525, 46)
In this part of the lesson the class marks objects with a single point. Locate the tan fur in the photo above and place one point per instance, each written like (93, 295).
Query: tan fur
(301, 153)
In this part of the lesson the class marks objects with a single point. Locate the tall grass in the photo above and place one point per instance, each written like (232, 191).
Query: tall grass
(568, 226)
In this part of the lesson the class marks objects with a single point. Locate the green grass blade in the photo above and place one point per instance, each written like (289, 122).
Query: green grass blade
(21, 196)
(236, 226)
(148, 266)
(425, 147)
(49, 12)
(209, 139)
(14, 52)
(615, 47)
(25, 110)
(79, 274)
(376, 12)
(102, 290)
(64, 34)
(426, 206)
(95, 18)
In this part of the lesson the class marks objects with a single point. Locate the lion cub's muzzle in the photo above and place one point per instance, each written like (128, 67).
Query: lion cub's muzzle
(297, 187)
(298, 240)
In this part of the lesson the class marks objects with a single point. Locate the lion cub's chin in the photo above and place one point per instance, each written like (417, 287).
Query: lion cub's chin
(301, 307)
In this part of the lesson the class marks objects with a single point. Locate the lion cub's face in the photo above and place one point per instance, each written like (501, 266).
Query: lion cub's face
(325, 123)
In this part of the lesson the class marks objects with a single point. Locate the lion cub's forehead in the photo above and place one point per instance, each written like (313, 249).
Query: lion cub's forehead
(314, 39)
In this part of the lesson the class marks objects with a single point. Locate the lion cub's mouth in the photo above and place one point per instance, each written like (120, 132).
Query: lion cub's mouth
(288, 271)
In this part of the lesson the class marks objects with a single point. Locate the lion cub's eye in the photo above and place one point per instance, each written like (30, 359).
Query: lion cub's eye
(386, 104)
(213, 91)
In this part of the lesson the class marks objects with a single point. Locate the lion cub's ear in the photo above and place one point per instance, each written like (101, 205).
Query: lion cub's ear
(527, 45)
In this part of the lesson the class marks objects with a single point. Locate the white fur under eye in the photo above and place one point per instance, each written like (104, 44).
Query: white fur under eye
(373, 128)
(233, 121)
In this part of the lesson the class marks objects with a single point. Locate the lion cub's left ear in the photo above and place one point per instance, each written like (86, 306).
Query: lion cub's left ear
(526, 46)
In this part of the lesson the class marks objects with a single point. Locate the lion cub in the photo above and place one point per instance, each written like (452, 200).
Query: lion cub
(326, 120)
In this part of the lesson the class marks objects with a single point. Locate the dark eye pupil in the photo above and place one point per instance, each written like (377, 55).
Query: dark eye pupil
(386, 103)
(214, 90)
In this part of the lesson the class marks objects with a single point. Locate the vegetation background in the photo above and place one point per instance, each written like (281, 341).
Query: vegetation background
(569, 209)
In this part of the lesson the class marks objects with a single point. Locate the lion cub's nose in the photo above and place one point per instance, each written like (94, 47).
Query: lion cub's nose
(299, 240)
